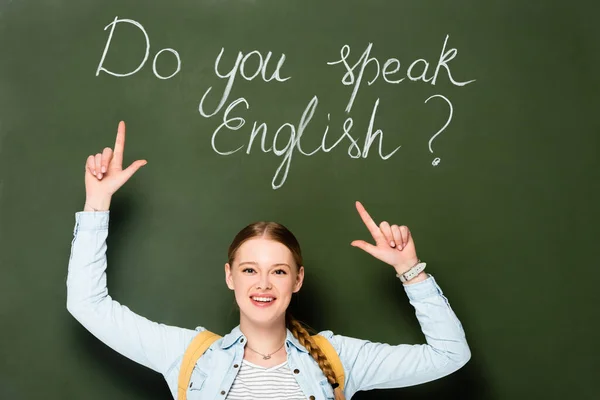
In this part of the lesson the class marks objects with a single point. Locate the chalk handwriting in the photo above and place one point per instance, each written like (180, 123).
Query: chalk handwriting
(240, 65)
(294, 134)
(436, 161)
(140, 27)
(285, 140)
(354, 74)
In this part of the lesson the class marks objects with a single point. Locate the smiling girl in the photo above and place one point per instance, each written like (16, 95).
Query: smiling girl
(269, 355)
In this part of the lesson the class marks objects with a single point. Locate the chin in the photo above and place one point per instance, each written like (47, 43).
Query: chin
(262, 317)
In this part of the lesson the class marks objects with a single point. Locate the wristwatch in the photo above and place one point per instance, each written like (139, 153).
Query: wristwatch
(413, 272)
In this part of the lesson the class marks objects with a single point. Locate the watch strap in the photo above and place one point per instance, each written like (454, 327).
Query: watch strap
(412, 273)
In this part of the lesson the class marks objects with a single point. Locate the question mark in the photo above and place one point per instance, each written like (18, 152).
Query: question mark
(437, 159)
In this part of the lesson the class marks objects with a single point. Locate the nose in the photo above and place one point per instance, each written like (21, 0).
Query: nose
(264, 281)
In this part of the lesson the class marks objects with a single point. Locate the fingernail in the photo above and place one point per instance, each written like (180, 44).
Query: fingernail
(99, 176)
(94, 171)
(103, 169)
(392, 244)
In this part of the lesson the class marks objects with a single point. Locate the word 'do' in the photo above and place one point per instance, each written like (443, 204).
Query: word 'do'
(138, 25)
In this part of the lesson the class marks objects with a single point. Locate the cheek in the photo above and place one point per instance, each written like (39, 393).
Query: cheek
(287, 287)
(239, 297)
(240, 286)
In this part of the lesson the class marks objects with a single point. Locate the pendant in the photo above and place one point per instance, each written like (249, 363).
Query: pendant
(266, 357)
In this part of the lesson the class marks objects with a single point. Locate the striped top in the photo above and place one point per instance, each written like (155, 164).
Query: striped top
(254, 382)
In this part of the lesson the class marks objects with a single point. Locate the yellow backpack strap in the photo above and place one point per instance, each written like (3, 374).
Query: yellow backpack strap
(194, 351)
(333, 358)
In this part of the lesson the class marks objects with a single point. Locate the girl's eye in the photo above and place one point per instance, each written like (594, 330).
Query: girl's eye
(248, 270)
(280, 272)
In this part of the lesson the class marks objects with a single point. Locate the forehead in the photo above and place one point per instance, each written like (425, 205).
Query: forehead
(263, 251)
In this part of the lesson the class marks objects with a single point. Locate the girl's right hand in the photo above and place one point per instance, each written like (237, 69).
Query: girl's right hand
(104, 173)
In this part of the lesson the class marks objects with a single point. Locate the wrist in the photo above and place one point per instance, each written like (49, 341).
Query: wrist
(419, 278)
(97, 204)
(413, 274)
(400, 269)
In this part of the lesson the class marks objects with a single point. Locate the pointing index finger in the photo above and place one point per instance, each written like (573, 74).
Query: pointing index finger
(371, 225)
(119, 144)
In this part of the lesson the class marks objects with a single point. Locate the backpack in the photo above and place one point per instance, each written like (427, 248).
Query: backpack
(205, 339)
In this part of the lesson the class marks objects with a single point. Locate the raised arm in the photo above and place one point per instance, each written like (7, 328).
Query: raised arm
(151, 344)
(370, 365)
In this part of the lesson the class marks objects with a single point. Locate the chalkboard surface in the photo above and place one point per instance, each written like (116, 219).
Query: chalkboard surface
(474, 123)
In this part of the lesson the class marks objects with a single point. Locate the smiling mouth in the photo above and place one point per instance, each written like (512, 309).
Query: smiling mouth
(262, 301)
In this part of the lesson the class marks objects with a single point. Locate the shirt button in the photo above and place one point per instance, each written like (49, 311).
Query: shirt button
(296, 371)
(311, 398)
(222, 392)
(242, 340)
(235, 365)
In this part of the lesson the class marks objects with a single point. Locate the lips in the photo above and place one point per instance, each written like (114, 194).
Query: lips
(263, 300)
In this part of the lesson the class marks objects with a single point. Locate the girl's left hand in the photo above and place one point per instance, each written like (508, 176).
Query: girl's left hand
(394, 244)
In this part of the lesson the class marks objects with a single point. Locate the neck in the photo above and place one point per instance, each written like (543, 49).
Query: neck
(264, 338)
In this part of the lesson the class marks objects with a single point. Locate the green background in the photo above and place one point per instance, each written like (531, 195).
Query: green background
(507, 222)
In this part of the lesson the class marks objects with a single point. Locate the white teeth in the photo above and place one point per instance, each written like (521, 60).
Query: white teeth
(263, 299)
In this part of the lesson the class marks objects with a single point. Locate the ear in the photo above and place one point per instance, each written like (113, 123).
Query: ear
(299, 279)
(228, 276)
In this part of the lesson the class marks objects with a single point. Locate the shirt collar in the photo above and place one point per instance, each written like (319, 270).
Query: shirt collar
(236, 336)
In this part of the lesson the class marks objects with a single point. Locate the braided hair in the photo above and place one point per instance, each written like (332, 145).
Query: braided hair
(315, 351)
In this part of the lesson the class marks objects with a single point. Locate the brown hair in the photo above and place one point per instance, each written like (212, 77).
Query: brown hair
(279, 233)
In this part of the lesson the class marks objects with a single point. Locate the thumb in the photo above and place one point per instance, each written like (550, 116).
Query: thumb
(132, 169)
(367, 247)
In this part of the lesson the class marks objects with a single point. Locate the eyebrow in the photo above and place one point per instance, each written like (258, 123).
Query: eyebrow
(256, 264)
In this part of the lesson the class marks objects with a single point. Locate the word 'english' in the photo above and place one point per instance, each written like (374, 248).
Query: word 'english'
(294, 135)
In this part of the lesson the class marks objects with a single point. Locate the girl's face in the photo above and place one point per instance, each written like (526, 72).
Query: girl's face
(263, 276)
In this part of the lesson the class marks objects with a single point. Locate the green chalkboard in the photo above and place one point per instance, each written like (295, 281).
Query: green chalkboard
(474, 123)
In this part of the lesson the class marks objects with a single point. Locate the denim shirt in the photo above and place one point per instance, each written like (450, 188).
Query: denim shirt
(367, 365)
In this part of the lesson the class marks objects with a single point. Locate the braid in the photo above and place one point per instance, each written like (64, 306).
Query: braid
(305, 340)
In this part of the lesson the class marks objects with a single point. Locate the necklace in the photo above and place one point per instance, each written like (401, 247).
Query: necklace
(266, 356)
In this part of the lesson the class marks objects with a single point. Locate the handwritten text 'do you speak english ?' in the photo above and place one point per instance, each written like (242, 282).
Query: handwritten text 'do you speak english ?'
(256, 65)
